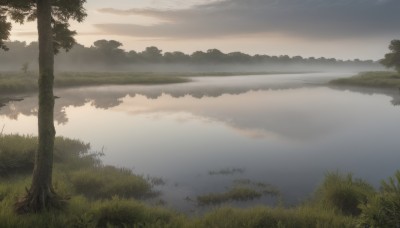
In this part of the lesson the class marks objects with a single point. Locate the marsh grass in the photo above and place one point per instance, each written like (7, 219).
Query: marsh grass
(383, 210)
(385, 79)
(116, 192)
(12, 82)
(343, 193)
(106, 182)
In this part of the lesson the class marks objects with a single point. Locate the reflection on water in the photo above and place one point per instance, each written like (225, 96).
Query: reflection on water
(282, 130)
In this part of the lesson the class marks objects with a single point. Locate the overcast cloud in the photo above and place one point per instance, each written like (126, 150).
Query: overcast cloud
(317, 19)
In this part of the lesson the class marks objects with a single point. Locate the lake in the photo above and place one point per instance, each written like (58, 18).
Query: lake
(282, 130)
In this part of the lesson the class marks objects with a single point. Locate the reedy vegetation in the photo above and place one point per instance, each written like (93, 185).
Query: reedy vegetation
(103, 196)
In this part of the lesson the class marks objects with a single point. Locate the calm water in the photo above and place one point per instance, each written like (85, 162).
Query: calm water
(285, 130)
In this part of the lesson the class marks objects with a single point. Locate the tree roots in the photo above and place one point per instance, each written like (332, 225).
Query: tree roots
(38, 200)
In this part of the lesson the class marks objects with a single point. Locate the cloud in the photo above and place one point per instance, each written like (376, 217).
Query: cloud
(318, 19)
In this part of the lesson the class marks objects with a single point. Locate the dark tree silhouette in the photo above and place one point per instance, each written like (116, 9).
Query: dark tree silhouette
(53, 29)
(392, 59)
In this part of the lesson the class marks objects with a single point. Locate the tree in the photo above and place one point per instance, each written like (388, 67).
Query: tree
(392, 59)
(151, 54)
(109, 51)
(53, 29)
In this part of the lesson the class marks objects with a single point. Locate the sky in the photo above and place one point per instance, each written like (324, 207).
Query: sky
(344, 29)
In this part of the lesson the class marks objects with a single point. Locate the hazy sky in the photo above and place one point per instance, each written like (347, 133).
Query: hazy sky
(344, 29)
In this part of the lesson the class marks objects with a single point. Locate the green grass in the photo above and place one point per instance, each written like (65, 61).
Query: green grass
(106, 182)
(343, 193)
(384, 79)
(103, 196)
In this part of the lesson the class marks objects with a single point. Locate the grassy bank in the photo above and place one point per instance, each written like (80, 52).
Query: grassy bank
(384, 79)
(20, 83)
(105, 196)
(17, 82)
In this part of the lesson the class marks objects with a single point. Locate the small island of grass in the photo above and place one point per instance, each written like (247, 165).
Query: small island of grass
(379, 79)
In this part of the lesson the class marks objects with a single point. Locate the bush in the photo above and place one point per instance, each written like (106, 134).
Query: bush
(383, 210)
(106, 182)
(343, 193)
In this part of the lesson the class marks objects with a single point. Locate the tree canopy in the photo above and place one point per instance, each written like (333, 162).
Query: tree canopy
(21, 11)
(392, 59)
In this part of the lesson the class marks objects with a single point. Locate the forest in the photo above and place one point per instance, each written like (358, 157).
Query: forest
(109, 54)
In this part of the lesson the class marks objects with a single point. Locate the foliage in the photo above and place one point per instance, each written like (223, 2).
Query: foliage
(109, 53)
(343, 193)
(392, 59)
(62, 12)
(383, 210)
(80, 174)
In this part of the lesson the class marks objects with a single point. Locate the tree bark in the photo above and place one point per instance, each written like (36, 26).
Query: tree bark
(41, 195)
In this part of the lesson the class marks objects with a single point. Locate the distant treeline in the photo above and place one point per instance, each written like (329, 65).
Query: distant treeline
(109, 53)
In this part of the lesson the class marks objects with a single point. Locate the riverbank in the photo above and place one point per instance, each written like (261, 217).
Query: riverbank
(13, 82)
(378, 79)
(18, 82)
(106, 196)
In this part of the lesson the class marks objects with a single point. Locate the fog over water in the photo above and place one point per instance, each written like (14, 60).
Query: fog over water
(284, 130)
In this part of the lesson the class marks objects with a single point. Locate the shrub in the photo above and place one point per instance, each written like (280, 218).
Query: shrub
(343, 193)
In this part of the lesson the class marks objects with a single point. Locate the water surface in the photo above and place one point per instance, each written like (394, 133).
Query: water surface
(285, 130)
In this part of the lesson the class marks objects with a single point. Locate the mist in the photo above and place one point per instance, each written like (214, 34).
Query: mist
(107, 56)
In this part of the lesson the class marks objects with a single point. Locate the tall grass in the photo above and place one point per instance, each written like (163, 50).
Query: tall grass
(106, 182)
(383, 210)
(343, 193)
(103, 196)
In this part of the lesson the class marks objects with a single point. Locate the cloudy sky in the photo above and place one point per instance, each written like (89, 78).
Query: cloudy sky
(345, 29)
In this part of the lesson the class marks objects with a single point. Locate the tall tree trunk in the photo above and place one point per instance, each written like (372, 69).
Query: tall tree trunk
(41, 195)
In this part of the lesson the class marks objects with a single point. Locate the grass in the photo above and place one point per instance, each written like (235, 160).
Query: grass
(343, 193)
(234, 194)
(13, 82)
(106, 182)
(18, 82)
(383, 79)
(103, 196)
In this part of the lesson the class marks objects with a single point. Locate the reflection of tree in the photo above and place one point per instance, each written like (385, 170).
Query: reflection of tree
(111, 96)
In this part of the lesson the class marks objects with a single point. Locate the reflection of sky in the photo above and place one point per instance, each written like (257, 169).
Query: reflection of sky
(286, 137)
